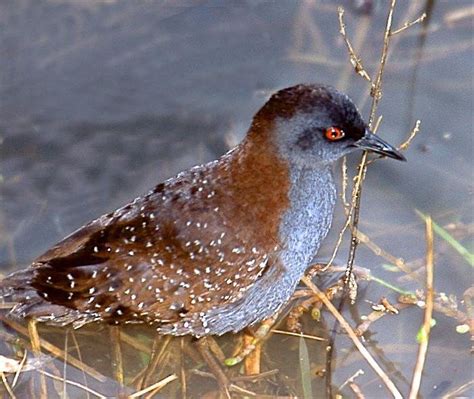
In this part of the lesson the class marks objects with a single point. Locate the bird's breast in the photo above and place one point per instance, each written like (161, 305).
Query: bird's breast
(308, 218)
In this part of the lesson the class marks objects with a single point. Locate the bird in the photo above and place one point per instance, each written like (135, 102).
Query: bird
(217, 248)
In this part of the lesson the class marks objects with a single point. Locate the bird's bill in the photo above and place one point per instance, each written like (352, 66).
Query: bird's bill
(373, 143)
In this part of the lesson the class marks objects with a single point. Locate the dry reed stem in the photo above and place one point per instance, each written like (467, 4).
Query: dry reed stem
(216, 350)
(357, 391)
(65, 364)
(351, 378)
(154, 387)
(299, 335)
(155, 359)
(117, 363)
(133, 342)
(36, 348)
(457, 392)
(345, 179)
(182, 379)
(423, 348)
(58, 352)
(79, 356)
(73, 383)
(20, 367)
(7, 385)
(363, 351)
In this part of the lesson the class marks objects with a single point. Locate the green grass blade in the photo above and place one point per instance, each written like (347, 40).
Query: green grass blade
(305, 369)
(463, 251)
(391, 286)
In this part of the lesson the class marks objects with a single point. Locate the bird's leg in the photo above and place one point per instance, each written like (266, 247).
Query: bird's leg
(316, 268)
(250, 345)
(252, 360)
(202, 345)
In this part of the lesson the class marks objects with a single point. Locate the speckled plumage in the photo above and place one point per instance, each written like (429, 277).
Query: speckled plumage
(214, 249)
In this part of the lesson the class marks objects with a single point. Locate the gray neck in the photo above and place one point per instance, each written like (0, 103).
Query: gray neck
(307, 221)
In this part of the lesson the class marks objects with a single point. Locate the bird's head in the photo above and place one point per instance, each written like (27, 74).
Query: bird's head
(316, 124)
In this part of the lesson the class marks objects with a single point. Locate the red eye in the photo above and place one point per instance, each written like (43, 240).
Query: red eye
(334, 133)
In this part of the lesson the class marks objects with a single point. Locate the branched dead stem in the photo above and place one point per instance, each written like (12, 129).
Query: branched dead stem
(407, 24)
(353, 209)
(376, 93)
(359, 345)
(354, 59)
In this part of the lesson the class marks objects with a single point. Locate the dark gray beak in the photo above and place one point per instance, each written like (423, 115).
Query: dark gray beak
(374, 143)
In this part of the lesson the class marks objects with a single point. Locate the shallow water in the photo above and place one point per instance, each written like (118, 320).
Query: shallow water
(102, 99)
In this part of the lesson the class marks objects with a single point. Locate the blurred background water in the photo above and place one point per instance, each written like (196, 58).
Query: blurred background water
(102, 99)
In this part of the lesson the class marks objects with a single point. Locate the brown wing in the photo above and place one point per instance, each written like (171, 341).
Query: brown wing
(165, 258)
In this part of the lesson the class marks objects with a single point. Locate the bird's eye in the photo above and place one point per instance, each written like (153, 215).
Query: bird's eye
(334, 133)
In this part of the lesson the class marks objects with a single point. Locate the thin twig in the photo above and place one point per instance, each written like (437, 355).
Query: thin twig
(423, 348)
(73, 383)
(7, 385)
(155, 359)
(345, 179)
(360, 37)
(455, 393)
(299, 335)
(20, 367)
(398, 262)
(377, 124)
(407, 24)
(412, 135)
(79, 356)
(133, 342)
(352, 378)
(255, 377)
(154, 387)
(363, 351)
(376, 92)
(355, 61)
(357, 391)
(182, 369)
(58, 352)
(66, 339)
(36, 348)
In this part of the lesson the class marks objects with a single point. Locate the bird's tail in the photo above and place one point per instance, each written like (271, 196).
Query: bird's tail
(19, 300)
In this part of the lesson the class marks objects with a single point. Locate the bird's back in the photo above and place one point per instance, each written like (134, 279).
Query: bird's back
(195, 243)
